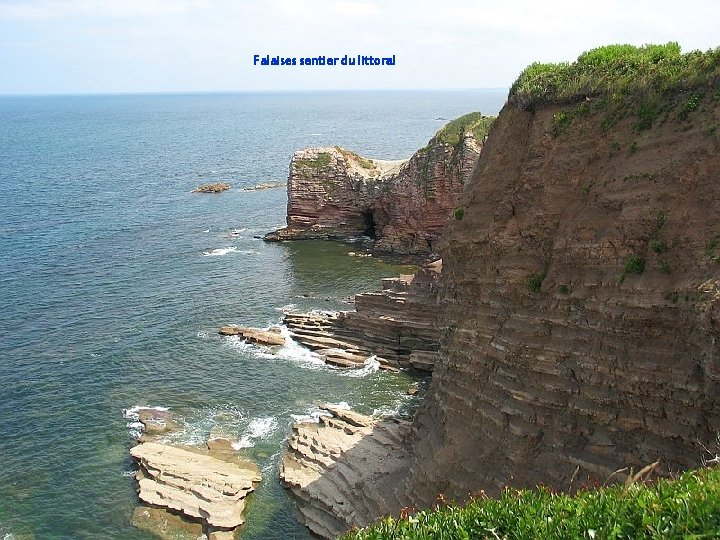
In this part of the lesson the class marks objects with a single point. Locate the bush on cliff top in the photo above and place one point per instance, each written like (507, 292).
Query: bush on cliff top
(618, 71)
(452, 132)
(687, 507)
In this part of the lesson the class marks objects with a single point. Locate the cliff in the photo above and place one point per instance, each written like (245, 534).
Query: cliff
(579, 303)
(581, 290)
(402, 206)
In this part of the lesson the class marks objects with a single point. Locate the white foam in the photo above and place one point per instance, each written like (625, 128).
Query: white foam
(314, 414)
(371, 365)
(235, 233)
(203, 334)
(219, 252)
(287, 308)
(134, 426)
(259, 428)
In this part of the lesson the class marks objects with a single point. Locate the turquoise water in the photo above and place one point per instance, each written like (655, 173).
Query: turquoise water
(114, 278)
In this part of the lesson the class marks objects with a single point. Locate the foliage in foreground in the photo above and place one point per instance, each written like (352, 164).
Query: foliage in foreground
(687, 507)
(620, 72)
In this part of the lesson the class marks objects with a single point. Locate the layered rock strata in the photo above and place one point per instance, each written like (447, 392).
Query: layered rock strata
(580, 297)
(271, 337)
(581, 294)
(402, 206)
(194, 483)
(396, 324)
(338, 469)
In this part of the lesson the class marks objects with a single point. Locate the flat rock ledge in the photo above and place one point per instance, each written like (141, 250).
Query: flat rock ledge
(215, 187)
(195, 484)
(270, 338)
(329, 467)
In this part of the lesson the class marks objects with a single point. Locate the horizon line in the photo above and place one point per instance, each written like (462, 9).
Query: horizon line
(259, 91)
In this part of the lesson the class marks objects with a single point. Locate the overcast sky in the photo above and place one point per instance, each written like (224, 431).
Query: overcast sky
(69, 46)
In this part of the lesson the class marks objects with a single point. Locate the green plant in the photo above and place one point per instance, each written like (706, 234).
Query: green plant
(672, 296)
(633, 147)
(664, 267)
(585, 189)
(458, 213)
(646, 115)
(625, 74)
(321, 160)
(659, 246)
(614, 146)
(634, 264)
(534, 282)
(689, 105)
(687, 506)
(563, 289)
(662, 218)
(561, 120)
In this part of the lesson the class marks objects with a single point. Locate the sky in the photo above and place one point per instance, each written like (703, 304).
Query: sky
(109, 46)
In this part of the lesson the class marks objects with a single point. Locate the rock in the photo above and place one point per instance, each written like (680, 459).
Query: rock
(413, 390)
(398, 325)
(265, 185)
(197, 485)
(156, 422)
(328, 465)
(216, 187)
(531, 385)
(165, 525)
(402, 206)
(270, 338)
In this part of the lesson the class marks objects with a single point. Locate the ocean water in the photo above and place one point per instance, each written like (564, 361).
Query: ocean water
(114, 279)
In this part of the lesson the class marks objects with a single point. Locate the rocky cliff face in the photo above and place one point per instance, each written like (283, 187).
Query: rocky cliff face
(581, 295)
(401, 205)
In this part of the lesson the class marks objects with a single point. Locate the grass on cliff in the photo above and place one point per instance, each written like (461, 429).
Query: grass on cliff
(621, 72)
(686, 507)
(452, 132)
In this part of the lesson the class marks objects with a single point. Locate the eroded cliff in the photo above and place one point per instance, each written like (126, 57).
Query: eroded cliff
(579, 303)
(581, 292)
(402, 206)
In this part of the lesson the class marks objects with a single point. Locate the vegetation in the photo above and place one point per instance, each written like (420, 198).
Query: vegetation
(452, 132)
(664, 267)
(368, 164)
(685, 507)
(634, 265)
(621, 73)
(459, 213)
(563, 289)
(322, 160)
(534, 282)
(659, 246)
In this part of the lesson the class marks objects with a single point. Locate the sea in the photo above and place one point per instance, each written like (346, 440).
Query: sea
(115, 277)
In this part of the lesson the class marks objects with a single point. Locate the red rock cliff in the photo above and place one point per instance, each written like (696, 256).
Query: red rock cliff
(582, 301)
(401, 205)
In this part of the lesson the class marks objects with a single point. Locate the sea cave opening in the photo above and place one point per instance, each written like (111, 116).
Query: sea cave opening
(369, 224)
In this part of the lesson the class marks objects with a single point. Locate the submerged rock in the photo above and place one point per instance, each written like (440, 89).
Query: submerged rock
(195, 484)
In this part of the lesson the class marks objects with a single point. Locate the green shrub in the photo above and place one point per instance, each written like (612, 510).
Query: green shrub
(563, 289)
(622, 73)
(634, 265)
(452, 132)
(689, 105)
(659, 246)
(458, 213)
(664, 267)
(534, 282)
(685, 507)
(633, 147)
